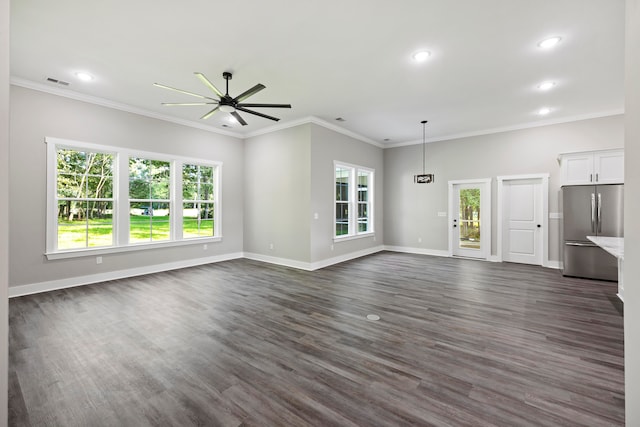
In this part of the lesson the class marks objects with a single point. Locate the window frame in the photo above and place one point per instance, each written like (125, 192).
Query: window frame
(120, 217)
(353, 201)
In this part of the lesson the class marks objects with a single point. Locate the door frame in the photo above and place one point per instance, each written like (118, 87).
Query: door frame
(485, 214)
(543, 178)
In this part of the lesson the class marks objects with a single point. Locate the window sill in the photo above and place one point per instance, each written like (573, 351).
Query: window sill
(77, 253)
(353, 237)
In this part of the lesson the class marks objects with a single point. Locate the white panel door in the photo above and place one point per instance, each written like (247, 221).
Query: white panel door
(522, 221)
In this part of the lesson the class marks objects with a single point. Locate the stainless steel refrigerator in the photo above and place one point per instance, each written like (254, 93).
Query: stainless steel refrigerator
(591, 210)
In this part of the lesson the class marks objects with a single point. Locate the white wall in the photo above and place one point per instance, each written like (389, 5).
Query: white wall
(328, 146)
(277, 196)
(4, 207)
(411, 210)
(36, 115)
(632, 207)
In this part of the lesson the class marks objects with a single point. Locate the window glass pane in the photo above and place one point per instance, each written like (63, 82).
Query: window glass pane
(363, 217)
(72, 224)
(138, 169)
(160, 190)
(342, 218)
(198, 220)
(363, 186)
(99, 187)
(206, 191)
(342, 183)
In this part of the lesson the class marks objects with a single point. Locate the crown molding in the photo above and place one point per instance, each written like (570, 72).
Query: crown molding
(67, 93)
(512, 128)
(316, 121)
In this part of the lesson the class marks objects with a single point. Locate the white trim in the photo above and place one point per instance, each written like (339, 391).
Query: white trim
(522, 126)
(346, 257)
(544, 181)
(121, 200)
(485, 215)
(417, 251)
(316, 121)
(555, 215)
(67, 93)
(554, 264)
(353, 201)
(312, 266)
(34, 288)
(132, 247)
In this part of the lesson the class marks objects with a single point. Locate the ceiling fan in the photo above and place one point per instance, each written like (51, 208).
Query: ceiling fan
(226, 103)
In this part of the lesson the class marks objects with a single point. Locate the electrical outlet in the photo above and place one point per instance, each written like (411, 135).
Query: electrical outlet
(419, 239)
(98, 260)
(442, 214)
(331, 247)
(316, 216)
(204, 247)
(271, 246)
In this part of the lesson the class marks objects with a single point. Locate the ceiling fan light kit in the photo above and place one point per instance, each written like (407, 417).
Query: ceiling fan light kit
(225, 103)
(424, 178)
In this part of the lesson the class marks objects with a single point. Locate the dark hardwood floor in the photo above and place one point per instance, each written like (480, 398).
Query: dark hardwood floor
(242, 343)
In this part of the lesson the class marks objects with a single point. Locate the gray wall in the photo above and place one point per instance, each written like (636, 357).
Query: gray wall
(289, 179)
(632, 207)
(277, 194)
(328, 146)
(4, 207)
(411, 209)
(35, 115)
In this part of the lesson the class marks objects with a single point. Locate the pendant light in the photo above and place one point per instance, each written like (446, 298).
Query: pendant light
(423, 178)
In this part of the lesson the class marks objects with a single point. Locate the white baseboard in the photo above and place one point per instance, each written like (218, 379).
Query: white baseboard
(312, 266)
(286, 262)
(346, 257)
(554, 264)
(418, 251)
(34, 288)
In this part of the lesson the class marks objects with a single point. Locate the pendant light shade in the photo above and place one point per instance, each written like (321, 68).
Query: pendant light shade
(424, 178)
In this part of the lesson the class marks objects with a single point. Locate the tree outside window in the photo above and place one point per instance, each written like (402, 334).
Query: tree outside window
(84, 199)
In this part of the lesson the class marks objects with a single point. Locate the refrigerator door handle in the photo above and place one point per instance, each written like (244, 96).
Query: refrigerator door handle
(593, 213)
(599, 213)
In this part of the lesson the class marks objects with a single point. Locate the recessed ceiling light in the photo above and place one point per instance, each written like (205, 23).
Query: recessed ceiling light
(85, 77)
(550, 42)
(544, 111)
(421, 55)
(546, 85)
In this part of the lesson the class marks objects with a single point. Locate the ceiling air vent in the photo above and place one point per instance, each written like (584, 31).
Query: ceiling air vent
(56, 81)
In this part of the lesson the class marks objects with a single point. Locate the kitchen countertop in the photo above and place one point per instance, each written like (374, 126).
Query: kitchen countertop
(613, 245)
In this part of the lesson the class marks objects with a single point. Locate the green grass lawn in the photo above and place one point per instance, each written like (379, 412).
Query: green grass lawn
(142, 228)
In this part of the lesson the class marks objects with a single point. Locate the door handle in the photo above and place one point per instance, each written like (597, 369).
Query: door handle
(539, 226)
(599, 213)
(593, 213)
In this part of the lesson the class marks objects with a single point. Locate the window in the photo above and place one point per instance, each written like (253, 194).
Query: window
(353, 200)
(198, 201)
(149, 200)
(105, 199)
(84, 198)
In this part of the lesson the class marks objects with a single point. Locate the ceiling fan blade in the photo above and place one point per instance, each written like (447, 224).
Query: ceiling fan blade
(208, 84)
(183, 91)
(210, 113)
(238, 118)
(266, 105)
(255, 113)
(171, 104)
(244, 95)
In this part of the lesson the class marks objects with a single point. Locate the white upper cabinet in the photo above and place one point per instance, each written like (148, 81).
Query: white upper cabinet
(592, 167)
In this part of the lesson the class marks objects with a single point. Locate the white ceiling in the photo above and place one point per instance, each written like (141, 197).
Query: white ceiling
(335, 58)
